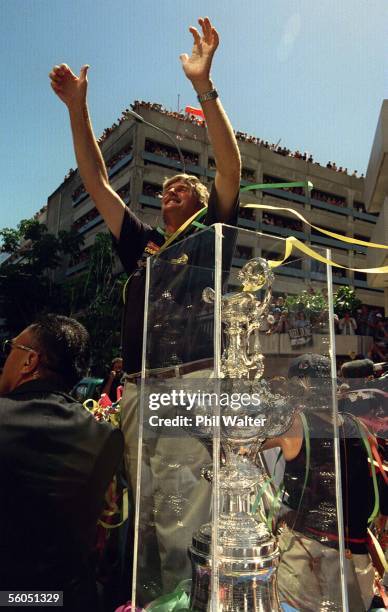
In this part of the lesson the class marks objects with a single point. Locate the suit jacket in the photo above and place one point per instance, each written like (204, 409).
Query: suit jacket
(56, 463)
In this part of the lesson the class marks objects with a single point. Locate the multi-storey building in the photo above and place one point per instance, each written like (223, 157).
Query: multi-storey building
(139, 158)
(376, 200)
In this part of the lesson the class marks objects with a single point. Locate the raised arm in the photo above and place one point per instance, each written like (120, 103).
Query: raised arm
(228, 163)
(72, 91)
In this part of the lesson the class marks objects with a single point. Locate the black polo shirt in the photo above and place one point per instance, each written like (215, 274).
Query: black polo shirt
(136, 243)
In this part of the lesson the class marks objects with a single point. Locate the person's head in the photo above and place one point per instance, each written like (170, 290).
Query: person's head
(310, 376)
(182, 196)
(54, 348)
(310, 365)
(117, 364)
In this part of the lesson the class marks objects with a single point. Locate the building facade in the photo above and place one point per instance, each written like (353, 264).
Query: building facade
(139, 158)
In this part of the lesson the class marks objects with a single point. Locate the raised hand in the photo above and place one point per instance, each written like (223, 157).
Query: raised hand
(68, 87)
(197, 66)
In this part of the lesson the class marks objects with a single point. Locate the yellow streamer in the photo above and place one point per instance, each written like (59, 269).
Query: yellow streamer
(339, 237)
(124, 514)
(293, 242)
(181, 229)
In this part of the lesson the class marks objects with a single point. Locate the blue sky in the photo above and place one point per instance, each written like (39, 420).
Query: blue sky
(312, 74)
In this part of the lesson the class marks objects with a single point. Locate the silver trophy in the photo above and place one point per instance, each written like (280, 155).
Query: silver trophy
(247, 551)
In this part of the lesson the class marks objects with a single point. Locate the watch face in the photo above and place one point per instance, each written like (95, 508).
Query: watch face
(210, 95)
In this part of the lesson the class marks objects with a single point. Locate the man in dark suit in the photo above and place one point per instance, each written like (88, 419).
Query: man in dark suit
(56, 463)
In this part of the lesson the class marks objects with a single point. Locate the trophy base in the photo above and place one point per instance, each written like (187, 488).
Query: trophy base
(247, 575)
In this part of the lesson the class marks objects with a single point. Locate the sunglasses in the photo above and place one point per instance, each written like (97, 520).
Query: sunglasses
(8, 345)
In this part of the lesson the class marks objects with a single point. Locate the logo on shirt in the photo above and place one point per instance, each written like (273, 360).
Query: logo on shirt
(151, 248)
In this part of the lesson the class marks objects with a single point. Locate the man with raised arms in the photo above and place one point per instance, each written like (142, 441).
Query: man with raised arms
(182, 196)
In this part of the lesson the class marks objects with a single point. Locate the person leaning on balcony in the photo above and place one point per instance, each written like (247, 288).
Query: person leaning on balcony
(347, 325)
(182, 196)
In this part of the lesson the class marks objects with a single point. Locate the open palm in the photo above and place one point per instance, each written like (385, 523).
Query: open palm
(197, 66)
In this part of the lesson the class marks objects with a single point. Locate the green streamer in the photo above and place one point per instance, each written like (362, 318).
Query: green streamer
(365, 440)
(306, 184)
(177, 601)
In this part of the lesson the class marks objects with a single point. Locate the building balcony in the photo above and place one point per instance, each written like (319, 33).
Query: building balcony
(80, 198)
(277, 230)
(150, 201)
(88, 226)
(161, 160)
(120, 165)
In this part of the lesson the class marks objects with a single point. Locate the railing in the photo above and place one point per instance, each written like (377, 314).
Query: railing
(80, 198)
(88, 226)
(172, 163)
(267, 228)
(150, 201)
(119, 165)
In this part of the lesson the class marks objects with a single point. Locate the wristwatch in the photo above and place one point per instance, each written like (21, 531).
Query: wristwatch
(209, 95)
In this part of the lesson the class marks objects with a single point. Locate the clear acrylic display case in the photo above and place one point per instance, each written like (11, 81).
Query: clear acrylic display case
(215, 527)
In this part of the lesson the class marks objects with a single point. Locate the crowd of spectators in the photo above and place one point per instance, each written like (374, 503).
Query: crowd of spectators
(366, 321)
(243, 252)
(188, 117)
(248, 175)
(119, 156)
(171, 153)
(360, 207)
(281, 321)
(370, 321)
(40, 212)
(151, 190)
(86, 218)
(192, 158)
(328, 198)
(277, 221)
(110, 163)
(333, 166)
(246, 213)
(138, 105)
(78, 192)
(274, 179)
(124, 192)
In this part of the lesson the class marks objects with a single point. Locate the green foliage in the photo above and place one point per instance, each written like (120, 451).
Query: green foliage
(28, 290)
(70, 242)
(26, 286)
(31, 229)
(312, 303)
(102, 314)
(345, 300)
(10, 239)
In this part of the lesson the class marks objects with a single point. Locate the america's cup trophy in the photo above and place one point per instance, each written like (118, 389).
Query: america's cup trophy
(247, 552)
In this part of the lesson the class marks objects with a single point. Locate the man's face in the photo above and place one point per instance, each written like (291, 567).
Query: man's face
(179, 203)
(14, 370)
(118, 366)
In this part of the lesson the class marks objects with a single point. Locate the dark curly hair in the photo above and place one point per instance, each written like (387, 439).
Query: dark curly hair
(63, 344)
